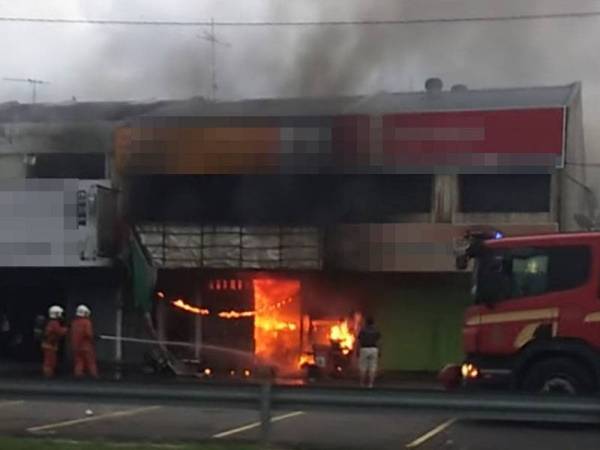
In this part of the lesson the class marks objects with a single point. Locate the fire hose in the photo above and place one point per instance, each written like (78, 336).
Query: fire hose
(107, 337)
(163, 344)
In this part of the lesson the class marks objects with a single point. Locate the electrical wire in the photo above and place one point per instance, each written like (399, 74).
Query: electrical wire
(333, 23)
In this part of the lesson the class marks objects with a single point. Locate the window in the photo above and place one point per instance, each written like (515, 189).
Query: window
(525, 272)
(529, 275)
(504, 193)
(69, 165)
(289, 199)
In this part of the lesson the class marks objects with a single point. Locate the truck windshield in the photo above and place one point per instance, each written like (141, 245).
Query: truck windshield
(502, 274)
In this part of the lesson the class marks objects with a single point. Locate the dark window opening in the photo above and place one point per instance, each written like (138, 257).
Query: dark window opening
(504, 193)
(290, 199)
(525, 272)
(68, 165)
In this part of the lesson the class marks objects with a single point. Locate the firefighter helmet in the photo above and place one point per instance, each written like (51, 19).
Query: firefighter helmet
(83, 311)
(55, 312)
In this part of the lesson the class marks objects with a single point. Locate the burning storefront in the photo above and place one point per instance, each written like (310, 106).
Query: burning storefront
(365, 195)
(238, 322)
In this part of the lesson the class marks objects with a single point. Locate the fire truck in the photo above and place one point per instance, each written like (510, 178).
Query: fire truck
(535, 322)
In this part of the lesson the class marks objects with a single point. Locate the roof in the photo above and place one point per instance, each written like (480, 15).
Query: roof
(380, 103)
(545, 239)
(15, 112)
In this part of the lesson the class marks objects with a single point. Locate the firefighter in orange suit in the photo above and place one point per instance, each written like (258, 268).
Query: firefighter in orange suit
(53, 333)
(82, 343)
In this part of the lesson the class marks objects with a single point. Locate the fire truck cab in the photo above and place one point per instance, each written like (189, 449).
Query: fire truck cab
(535, 321)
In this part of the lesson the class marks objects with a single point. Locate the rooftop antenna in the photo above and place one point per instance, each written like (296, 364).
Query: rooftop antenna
(211, 37)
(33, 83)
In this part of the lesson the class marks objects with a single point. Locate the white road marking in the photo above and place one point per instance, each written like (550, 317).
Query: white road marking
(67, 442)
(6, 403)
(425, 437)
(137, 445)
(253, 425)
(117, 444)
(68, 423)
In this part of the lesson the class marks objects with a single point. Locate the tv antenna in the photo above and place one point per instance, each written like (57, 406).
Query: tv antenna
(211, 37)
(32, 82)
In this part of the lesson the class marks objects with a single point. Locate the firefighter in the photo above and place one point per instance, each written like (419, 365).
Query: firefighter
(53, 333)
(82, 343)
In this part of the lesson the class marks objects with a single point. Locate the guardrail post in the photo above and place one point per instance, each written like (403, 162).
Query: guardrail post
(265, 411)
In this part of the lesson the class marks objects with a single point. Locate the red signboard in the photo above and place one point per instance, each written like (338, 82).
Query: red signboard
(393, 143)
(518, 132)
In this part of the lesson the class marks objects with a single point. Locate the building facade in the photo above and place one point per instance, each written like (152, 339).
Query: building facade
(357, 199)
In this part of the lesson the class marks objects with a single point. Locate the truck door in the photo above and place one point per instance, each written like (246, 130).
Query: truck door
(513, 309)
(535, 288)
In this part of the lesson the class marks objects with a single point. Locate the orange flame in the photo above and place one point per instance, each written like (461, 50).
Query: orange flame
(341, 334)
(179, 303)
(306, 359)
(272, 324)
(235, 314)
(277, 321)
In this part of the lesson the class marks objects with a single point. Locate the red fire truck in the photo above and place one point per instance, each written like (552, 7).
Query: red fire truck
(535, 321)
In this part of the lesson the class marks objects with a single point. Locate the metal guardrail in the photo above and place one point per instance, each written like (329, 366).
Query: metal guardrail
(266, 397)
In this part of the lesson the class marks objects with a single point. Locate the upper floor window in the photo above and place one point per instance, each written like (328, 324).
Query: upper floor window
(504, 193)
(68, 165)
(281, 199)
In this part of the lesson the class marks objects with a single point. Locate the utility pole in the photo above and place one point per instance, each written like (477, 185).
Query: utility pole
(32, 82)
(212, 38)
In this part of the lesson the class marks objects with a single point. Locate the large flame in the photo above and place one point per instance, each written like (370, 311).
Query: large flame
(272, 324)
(341, 334)
(277, 321)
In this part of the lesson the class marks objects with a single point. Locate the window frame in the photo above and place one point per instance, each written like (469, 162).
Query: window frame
(534, 251)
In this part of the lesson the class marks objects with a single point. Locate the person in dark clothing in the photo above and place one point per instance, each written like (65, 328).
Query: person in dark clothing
(368, 357)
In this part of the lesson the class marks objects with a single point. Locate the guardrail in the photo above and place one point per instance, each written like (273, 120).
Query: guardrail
(266, 397)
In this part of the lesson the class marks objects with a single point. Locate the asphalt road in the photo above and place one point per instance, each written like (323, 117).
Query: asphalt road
(298, 429)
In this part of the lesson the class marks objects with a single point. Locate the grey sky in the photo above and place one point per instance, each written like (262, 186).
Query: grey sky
(141, 63)
(113, 62)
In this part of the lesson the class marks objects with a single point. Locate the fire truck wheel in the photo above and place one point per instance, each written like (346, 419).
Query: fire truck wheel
(558, 375)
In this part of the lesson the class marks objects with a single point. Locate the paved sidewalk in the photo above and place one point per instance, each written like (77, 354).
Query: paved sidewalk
(407, 380)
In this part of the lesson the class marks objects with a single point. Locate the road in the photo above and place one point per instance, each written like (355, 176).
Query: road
(298, 429)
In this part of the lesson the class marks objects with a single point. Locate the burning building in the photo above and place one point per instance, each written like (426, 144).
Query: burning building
(357, 200)
(261, 229)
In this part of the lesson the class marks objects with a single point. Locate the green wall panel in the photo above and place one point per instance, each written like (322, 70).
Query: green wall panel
(421, 323)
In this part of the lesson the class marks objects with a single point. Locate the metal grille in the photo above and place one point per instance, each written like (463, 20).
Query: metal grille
(221, 246)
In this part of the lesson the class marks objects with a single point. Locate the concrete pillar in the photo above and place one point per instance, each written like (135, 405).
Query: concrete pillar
(198, 330)
(118, 332)
(555, 199)
(445, 198)
(161, 312)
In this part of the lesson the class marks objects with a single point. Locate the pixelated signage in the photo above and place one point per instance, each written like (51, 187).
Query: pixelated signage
(390, 143)
(502, 137)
